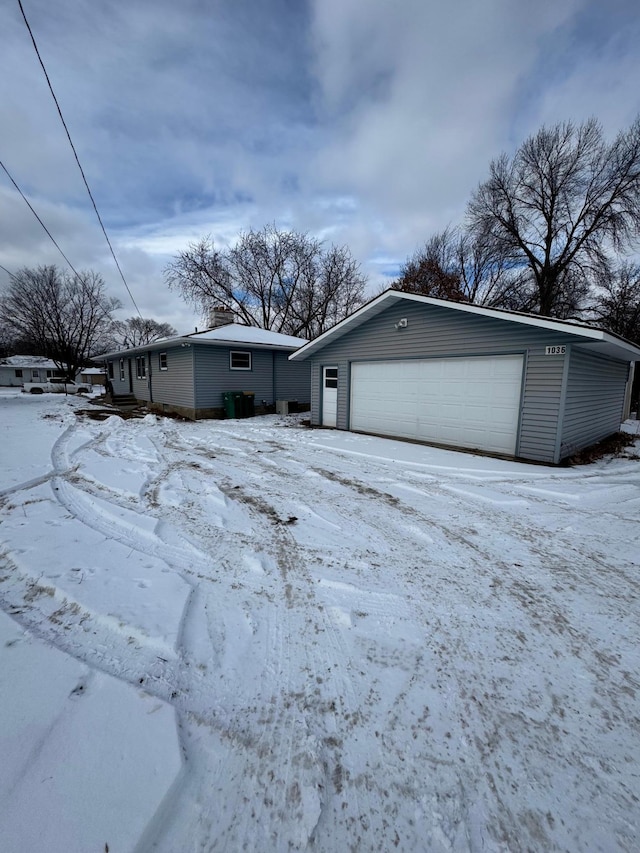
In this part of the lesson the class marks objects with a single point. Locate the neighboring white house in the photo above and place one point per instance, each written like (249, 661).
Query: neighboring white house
(15, 370)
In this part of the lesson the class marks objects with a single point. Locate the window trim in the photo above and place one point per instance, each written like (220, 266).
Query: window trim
(243, 353)
(18, 373)
(141, 367)
(330, 379)
(121, 368)
(160, 360)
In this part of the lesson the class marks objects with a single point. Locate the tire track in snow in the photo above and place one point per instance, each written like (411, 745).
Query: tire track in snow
(283, 737)
(232, 743)
(372, 516)
(280, 741)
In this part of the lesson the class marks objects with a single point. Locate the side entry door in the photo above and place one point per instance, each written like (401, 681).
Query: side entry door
(329, 396)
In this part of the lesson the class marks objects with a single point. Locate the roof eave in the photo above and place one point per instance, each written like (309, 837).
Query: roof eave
(188, 342)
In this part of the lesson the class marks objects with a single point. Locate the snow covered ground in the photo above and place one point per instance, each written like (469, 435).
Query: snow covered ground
(247, 635)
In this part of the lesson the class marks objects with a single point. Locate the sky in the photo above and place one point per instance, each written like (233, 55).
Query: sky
(365, 124)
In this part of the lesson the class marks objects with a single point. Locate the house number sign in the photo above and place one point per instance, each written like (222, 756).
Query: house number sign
(557, 350)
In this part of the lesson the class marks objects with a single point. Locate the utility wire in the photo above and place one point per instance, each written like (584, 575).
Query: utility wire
(75, 154)
(8, 272)
(38, 218)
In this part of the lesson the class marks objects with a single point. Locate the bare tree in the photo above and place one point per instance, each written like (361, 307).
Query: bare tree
(616, 304)
(330, 289)
(138, 331)
(462, 267)
(67, 317)
(279, 280)
(556, 210)
(435, 270)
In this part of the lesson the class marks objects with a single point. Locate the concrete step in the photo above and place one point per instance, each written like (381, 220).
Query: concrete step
(124, 401)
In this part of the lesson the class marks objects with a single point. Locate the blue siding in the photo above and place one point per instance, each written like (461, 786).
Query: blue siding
(197, 376)
(173, 386)
(120, 386)
(213, 375)
(292, 379)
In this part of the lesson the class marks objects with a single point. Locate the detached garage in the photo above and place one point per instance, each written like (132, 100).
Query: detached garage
(465, 376)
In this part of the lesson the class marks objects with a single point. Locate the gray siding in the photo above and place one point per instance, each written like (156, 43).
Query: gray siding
(292, 379)
(344, 383)
(120, 386)
(197, 375)
(435, 331)
(594, 402)
(174, 385)
(316, 380)
(541, 401)
(213, 375)
(344, 379)
(140, 386)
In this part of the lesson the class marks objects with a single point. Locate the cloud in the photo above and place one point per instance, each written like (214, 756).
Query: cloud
(367, 124)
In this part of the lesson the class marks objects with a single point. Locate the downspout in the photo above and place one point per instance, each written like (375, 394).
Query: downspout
(273, 376)
(150, 383)
(626, 412)
(194, 383)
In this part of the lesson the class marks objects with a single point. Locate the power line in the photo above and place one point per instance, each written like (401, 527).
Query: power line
(8, 272)
(38, 218)
(75, 154)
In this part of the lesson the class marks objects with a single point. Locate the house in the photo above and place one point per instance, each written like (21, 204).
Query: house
(15, 370)
(93, 376)
(466, 376)
(189, 374)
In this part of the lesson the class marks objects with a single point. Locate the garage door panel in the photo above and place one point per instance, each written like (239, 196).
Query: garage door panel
(467, 402)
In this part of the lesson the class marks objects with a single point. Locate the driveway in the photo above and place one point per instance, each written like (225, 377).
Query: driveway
(366, 644)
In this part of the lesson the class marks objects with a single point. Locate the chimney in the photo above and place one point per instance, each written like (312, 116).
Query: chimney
(220, 316)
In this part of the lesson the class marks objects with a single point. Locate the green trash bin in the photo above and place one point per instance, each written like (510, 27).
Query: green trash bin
(248, 404)
(233, 402)
(228, 404)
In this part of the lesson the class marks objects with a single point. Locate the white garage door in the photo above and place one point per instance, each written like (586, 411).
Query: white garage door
(467, 402)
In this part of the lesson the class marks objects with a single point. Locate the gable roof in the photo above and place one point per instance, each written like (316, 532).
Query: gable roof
(595, 338)
(232, 333)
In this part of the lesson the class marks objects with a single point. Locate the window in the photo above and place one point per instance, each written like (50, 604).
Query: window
(110, 370)
(162, 361)
(122, 370)
(240, 360)
(141, 366)
(18, 374)
(331, 377)
(35, 374)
